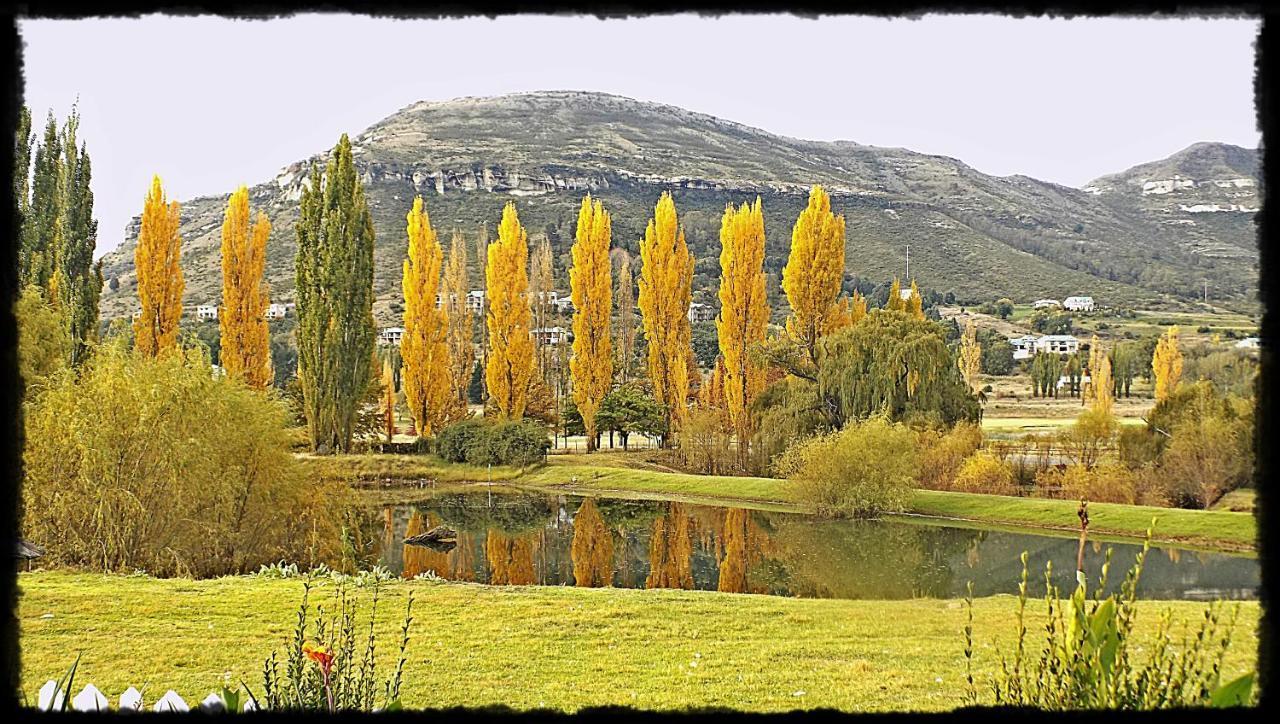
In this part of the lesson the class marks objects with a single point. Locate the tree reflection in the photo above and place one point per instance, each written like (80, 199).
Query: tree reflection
(743, 544)
(671, 550)
(592, 548)
(510, 558)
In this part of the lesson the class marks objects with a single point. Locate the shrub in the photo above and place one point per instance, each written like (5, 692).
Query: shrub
(453, 442)
(485, 442)
(1089, 659)
(863, 470)
(159, 465)
(1205, 461)
(706, 442)
(1084, 441)
(1137, 447)
(985, 473)
(1108, 483)
(942, 454)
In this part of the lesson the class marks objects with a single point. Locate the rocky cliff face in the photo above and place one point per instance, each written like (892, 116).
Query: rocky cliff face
(975, 235)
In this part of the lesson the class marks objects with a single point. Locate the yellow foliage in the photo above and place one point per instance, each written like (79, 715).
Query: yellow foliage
(744, 310)
(1101, 392)
(591, 288)
(1166, 364)
(970, 357)
(245, 351)
(510, 363)
(915, 304)
(985, 473)
(592, 547)
(815, 268)
(666, 277)
(462, 355)
(157, 261)
(895, 301)
(423, 347)
(671, 549)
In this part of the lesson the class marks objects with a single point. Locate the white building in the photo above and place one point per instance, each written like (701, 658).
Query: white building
(206, 312)
(440, 299)
(904, 294)
(1045, 303)
(549, 336)
(563, 305)
(1249, 343)
(699, 312)
(1078, 304)
(475, 300)
(276, 311)
(1058, 344)
(1024, 347)
(390, 335)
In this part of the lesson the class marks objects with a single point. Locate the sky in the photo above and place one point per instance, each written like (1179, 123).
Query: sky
(211, 103)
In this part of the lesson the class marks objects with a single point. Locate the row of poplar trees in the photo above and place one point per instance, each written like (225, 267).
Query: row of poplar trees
(58, 233)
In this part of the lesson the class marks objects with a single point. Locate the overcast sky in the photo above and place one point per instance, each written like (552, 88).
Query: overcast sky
(210, 103)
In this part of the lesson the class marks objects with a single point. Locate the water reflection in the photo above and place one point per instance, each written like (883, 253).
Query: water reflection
(566, 540)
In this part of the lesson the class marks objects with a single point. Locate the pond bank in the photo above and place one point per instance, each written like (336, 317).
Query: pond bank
(557, 647)
(1213, 530)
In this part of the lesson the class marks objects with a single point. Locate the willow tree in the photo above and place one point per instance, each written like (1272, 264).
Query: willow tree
(334, 280)
(744, 312)
(1166, 364)
(245, 340)
(815, 267)
(424, 347)
(510, 363)
(893, 364)
(462, 355)
(626, 317)
(591, 288)
(157, 262)
(970, 357)
(666, 277)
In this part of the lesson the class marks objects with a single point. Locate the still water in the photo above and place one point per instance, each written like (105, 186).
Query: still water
(564, 540)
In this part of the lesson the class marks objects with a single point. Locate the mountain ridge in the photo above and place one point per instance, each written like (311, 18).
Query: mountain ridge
(973, 234)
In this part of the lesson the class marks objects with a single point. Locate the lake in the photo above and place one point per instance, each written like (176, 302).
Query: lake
(564, 540)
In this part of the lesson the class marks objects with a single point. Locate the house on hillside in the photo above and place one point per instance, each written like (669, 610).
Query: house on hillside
(1058, 344)
(475, 300)
(276, 311)
(390, 336)
(1078, 304)
(699, 312)
(206, 312)
(563, 306)
(1045, 304)
(1024, 347)
(1249, 343)
(549, 336)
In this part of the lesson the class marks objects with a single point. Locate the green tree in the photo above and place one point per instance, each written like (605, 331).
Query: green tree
(627, 409)
(77, 280)
(334, 280)
(1125, 366)
(41, 230)
(997, 353)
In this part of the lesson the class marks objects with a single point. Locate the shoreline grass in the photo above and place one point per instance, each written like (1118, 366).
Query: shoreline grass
(555, 647)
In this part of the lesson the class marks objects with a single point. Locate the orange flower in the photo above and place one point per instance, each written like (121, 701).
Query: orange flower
(322, 655)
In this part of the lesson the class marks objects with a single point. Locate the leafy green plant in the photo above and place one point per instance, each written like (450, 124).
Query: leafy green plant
(324, 669)
(1089, 659)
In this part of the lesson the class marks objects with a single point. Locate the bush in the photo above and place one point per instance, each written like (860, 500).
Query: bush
(158, 464)
(1108, 483)
(862, 470)
(985, 473)
(454, 441)
(484, 442)
(942, 454)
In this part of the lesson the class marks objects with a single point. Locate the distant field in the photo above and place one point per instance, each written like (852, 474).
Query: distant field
(1038, 424)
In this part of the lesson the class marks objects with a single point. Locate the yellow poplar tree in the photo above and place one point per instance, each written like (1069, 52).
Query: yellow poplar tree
(245, 350)
(1166, 364)
(462, 354)
(510, 361)
(915, 304)
(815, 267)
(666, 278)
(157, 261)
(895, 301)
(1101, 390)
(744, 310)
(970, 358)
(424, 351)
(591, 288)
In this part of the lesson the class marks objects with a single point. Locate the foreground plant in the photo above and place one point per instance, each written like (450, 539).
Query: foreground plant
(1088, 660)
(323, 671)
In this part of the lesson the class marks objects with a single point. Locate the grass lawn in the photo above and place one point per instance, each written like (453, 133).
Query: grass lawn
(557, 647)
(1022, 425)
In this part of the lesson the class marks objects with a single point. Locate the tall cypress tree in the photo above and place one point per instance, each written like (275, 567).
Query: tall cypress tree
(334, 276)
(22, 163)
(41, 223)
(77, 280)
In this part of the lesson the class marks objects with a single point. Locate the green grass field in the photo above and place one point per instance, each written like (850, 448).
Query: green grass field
(544, 647)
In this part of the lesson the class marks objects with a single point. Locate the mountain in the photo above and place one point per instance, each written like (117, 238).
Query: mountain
(977, 236)
(1208, 190)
